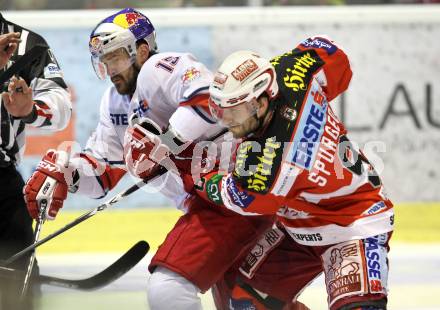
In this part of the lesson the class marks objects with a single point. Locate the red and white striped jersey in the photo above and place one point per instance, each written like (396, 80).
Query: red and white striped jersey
(303, 167)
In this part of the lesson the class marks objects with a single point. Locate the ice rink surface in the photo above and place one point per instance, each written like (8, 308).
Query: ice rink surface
(414, 282)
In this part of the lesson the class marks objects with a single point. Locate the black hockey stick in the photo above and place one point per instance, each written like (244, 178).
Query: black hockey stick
(40, 222)
(82, 218)
(91, 213)
(25, 60)
(108, 275)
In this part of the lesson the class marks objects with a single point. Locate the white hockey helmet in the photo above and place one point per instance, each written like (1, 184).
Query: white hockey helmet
(242, 77)
(120, 31)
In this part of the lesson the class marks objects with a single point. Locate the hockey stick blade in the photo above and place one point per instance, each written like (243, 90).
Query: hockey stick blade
(23, 61)
(108, 275)
(105, 277)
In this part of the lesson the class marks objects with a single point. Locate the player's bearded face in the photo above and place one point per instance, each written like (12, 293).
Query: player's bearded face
(241, 120)
(246, 128)
(122, 69)
(125, 82)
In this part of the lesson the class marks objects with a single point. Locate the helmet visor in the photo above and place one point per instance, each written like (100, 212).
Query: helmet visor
(112, 63)
(235, 115)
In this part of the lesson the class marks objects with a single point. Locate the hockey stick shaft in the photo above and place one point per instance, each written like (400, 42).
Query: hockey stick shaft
(82, 218)
(91, 213)
(30, 266)
(113, 272)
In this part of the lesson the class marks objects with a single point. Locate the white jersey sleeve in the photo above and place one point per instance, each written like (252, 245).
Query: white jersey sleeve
(52, 103)
(172, 88)
(101, 164)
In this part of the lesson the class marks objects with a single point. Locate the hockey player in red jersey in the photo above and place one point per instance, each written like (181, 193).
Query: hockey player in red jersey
(157, 93)
(297, 162)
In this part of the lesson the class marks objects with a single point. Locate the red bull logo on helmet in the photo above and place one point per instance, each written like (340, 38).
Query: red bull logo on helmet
(132, 18)
(126, 20)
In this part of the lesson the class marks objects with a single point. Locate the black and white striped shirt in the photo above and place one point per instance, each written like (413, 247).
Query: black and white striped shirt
(52, 103)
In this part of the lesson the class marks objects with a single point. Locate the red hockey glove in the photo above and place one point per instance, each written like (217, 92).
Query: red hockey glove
(143, 149)
(146, 148)
(47, 186)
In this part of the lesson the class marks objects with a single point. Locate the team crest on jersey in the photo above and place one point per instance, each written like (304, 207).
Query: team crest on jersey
(190, 75)
(288, 113)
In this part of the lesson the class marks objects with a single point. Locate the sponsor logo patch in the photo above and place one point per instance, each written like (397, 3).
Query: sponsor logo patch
(260, 251)
(242, 304)
(344, 272)
(378, 206)
(132, 18)
(220, 78)
(143, 107)
(128, 19)
(47, 165)
(190, 75)
(119, 119)
(240, 198)
(95, 46)
(52, 71)
(213, 189)
(244, 70)
(318, 42)
(291, 214)
(258, 179)
(295, 77)
(377, 270)
(306, 237)
(310, 129)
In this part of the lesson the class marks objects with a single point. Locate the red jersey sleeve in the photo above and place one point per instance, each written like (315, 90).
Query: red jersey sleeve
(336, 69)
(224, 190)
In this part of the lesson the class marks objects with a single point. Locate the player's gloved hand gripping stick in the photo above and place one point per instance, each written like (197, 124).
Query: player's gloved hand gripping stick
(156, 172)
(84, 217)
